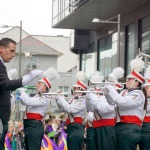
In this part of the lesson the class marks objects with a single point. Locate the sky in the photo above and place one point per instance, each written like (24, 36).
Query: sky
(36, 16)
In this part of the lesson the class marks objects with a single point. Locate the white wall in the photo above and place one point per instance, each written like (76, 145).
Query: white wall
(62, 44)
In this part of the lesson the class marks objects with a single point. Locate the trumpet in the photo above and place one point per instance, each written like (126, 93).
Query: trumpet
(102, 85)
(55, 93)
(96, 92)
(145, 56)
(105, 83)
(52, 95)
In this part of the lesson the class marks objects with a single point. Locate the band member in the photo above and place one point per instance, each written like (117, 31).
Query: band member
(75, 108)
(90, 139)
(88, 123)
(36, 109)
(145, 131)
(130, 106)
(104, 123)
(90, 136)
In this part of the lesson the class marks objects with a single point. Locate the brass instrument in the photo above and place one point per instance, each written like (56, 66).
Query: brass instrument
(146, 57)
(102, 85)
(52, 95)
(55, 93)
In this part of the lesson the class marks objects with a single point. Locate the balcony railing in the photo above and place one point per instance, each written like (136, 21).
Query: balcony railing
(62, 8)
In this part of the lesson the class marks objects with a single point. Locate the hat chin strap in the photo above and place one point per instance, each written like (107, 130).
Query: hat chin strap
(40, 89)
(132, 84)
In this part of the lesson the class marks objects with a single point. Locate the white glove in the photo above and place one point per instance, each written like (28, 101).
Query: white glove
(108, 97)
(112, 93)
(91, 95)
(59, 96)
(93, 98)
(109, 87)
(21, 90)
(31, 76)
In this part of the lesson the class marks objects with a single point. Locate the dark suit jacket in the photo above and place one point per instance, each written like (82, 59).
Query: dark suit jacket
(6, 86)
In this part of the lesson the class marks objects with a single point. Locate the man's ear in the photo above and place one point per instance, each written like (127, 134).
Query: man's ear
(1, 49)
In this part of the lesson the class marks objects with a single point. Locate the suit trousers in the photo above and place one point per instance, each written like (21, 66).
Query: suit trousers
(4, 116)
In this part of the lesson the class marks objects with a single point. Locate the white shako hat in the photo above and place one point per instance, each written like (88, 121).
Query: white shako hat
(137, 65)
(147, 76)
(80, 76)
(48, 75)
(81, 85)
(46, 82)
(12, 74)
(116, 74)
(96, 77)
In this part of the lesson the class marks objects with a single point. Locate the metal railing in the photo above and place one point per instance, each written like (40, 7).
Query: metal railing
(62, 8)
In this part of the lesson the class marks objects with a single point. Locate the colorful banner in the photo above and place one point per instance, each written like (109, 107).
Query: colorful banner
(7, 143)
(49, 144)
(62, 143)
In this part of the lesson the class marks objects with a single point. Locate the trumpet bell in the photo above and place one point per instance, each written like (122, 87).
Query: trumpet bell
(146, 57)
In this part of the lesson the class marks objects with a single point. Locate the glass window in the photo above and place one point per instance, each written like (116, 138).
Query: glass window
(130, 46)
(145, 36)
(64, 88)
(31, 62)
(87, 61)
(108, 54)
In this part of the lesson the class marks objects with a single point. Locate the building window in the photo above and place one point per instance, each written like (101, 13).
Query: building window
(31, 63)
(87, 61)
(108, 57)
(145, 36)
(129, 46)
(64, 88)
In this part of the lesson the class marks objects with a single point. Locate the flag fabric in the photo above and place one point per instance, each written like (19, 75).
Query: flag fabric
(48, 144)
(7, 143)
(62, 143)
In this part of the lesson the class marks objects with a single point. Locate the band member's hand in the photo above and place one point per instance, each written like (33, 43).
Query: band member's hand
(109, 87)
(21, 90)
(31, 76)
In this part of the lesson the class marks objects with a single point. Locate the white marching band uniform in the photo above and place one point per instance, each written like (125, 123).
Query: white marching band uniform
(103, 123)
(75, 109)
(36, 109)
(36, 106)
(130, 104)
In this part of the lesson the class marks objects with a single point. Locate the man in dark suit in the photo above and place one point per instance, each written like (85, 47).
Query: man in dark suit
(7, 52)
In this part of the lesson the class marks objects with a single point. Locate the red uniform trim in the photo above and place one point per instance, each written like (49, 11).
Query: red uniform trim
(34, 116)
(131, 119)
(147, 119)
(49, 85)
(76, 120)
(104, 122)
(82, 85)
(138, 76)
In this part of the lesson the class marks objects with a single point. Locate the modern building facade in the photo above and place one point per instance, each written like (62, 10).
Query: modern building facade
(123, 31)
